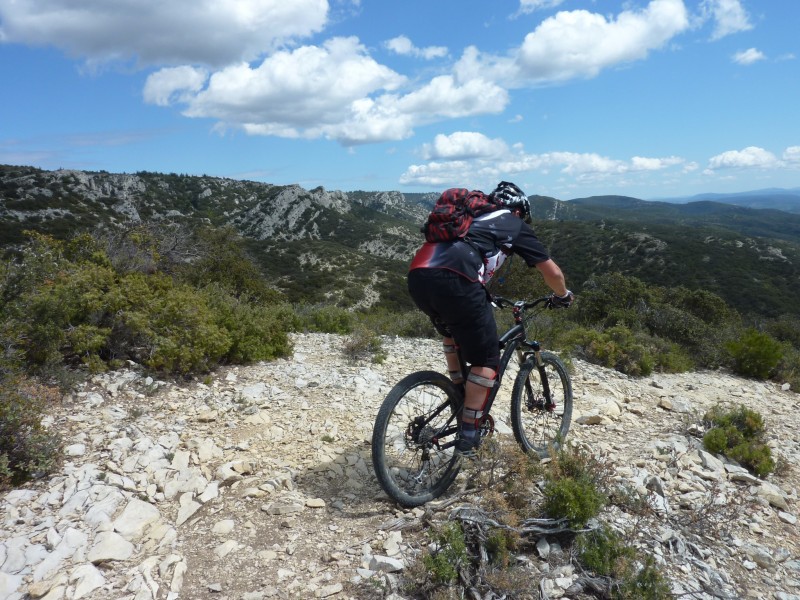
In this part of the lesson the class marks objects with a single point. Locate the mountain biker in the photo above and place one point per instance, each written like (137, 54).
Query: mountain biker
(447, 282)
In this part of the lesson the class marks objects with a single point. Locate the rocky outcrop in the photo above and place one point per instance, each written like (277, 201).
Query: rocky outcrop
(257, 483)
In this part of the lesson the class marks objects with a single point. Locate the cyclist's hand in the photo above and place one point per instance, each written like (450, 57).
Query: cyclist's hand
(561, 301)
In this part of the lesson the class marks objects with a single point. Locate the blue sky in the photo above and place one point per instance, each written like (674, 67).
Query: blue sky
(567, 98)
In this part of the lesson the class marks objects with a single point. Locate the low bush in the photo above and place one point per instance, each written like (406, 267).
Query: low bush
(617, 348)
(448, 555)
(738, 434)
(324, 318)
(364, 343)
(573, 488)
(754, 354)
(605, 553)
(788, 369)
(785, 329)
(476, 552)
(27, 449)
(409, 323)
(257, 331)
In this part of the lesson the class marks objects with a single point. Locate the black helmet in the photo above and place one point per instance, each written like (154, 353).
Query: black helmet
(510, 196)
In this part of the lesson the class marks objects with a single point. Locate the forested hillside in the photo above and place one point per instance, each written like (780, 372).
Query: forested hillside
(351, 249)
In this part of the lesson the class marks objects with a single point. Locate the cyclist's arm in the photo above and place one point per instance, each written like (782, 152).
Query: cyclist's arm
(553, 276)
(535, 254)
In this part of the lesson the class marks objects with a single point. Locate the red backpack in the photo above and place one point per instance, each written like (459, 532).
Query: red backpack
(454, 212)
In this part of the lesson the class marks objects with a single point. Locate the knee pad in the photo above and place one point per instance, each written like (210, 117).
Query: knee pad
(455, 376)
(484, 382)
(481, 380)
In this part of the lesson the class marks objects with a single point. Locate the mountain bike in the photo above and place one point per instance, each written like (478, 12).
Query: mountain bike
(414, 436)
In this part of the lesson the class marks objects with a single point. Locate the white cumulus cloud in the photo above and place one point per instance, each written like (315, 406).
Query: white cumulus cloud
(154, 32)
(748, 57)
(640, 163)
(750, 157)
(729, 17)
(792, 155)
(404, 46)
(175, 84)
(335, 90)
(529, 6)
(463, 144)
(306, 87)
(580, 43)
(493, 159)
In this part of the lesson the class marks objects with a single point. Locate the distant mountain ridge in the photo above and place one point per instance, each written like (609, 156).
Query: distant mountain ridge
(771, 223)
(352, 248)
(787, 200)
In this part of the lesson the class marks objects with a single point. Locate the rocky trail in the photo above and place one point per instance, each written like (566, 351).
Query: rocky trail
(257, 483)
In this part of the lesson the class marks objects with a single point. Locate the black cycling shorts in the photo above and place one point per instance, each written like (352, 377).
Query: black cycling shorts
(460, 309)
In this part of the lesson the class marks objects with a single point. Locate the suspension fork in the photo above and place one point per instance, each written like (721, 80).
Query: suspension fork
(536, 351)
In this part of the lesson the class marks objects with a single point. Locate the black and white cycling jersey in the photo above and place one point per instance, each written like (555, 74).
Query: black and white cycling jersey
(491, 239)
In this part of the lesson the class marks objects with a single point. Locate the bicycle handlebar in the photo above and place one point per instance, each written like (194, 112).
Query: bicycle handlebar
(501, 302)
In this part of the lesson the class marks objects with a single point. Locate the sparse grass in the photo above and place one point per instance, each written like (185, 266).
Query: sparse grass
(511, 490)
(363, 343)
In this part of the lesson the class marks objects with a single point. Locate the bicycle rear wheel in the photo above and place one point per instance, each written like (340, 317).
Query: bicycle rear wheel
(538, 426)
(409, 462)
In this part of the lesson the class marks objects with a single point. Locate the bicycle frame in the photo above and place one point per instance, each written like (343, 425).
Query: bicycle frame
(512, 342)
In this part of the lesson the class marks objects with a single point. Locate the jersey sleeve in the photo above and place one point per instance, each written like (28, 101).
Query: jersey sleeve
(528, 246)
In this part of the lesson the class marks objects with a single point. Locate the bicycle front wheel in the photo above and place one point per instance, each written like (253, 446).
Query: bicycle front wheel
(410, 430)
(541, 425)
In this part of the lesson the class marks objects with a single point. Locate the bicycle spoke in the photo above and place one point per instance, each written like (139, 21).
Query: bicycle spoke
(540, 425)
(409, 459)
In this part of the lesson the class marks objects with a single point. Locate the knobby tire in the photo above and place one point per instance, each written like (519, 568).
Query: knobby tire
(410, 466)
(538, 428)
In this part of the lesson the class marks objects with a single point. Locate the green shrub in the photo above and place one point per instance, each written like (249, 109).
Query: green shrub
(450, 555)
(573, 486)
(26, 448)
(605, 553)
(617, 348)
(717, 439)
(676, 325)
(257, 331)
(577, 500)
(181, 333)
(84, 311)
(745, 420)
(602, 552)
(754, 354)
(410, 323)
(605, 298)
(706, 306)
(785, 329)
(324, 319)
(755, 456)
(500, 544)
(672, 358)
(738, 435)
(67, 315)
(788, 369)
(224, 261)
